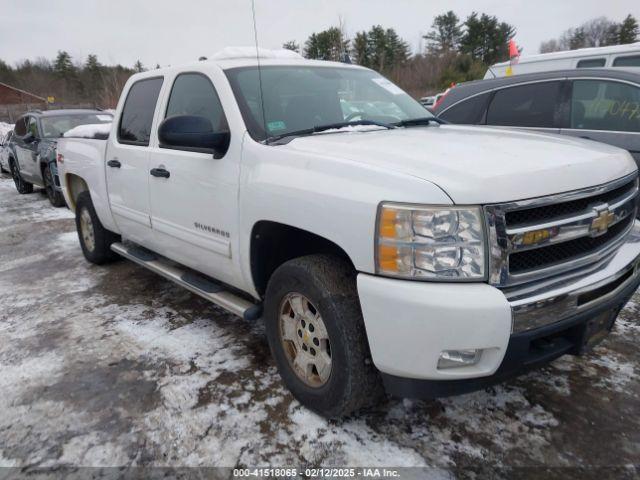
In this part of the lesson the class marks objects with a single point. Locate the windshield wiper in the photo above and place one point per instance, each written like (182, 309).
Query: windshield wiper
(420, 121)
(323, 128)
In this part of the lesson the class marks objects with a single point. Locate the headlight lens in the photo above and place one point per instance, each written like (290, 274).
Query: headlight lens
(445, 243)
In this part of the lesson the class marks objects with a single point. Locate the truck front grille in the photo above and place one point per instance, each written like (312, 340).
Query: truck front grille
(543, 237)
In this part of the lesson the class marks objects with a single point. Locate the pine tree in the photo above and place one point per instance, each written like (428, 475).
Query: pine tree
(628, 30)
(486, 39)
(360, 49)
(63, 67)
(138, 67)
(445, 33)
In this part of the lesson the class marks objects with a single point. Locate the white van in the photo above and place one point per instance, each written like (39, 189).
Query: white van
(625, 56)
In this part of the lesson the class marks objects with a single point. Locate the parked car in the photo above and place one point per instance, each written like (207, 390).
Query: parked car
(387, 250)
(616, 56)
(32, 148)
(597, 104)
(5, 141)
(429, 102)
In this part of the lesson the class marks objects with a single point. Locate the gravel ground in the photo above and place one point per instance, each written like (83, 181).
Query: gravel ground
(114, 366)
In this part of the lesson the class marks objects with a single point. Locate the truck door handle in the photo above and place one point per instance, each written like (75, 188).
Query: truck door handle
(160, 172)
(114, 163)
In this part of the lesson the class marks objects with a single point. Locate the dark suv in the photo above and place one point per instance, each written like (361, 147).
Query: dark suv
(32, 156)
(598, 104)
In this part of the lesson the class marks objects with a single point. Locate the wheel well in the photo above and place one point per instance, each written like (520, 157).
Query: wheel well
(274, 243)
(75, 186)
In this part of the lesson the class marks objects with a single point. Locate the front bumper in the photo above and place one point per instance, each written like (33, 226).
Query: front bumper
(410, 323)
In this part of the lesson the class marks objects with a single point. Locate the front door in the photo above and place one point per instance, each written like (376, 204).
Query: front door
(194, 206)
(127, 160)
(606, 111)
(27, 151)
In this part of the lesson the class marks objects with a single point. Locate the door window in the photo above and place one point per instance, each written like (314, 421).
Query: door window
(531, 105)
(21, 127)
(470, 111)
(137, 114)
(633, 61)
(33, 127)
(605, 105)
(194, 94)
(591, 63)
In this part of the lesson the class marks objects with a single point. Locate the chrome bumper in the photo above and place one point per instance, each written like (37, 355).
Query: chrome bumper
(556, 300)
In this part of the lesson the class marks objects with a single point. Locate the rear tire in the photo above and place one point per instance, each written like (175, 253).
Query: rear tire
(95, 240)
(21, 186)
(55, 197)
(313, 318)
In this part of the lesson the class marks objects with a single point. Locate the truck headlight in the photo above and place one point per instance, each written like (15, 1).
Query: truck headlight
(424, 242)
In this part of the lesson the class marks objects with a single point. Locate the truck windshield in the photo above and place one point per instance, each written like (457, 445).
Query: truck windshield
(298, 98)
(55, 126)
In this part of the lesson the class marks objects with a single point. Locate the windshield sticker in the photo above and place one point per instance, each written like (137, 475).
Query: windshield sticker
(105, 118)
(388, 86)
(277, 125)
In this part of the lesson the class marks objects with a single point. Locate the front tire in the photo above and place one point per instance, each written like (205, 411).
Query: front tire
(316, 334)
(55, 197)
(21, 186)
(95, 240)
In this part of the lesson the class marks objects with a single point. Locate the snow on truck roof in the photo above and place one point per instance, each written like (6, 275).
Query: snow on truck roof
(237, 57)
(581, 52)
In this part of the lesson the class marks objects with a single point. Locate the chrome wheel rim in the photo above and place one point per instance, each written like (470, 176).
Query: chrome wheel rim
(305, 340)
(86, 230)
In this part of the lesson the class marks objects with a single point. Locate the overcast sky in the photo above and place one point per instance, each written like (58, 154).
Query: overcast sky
(179, 31)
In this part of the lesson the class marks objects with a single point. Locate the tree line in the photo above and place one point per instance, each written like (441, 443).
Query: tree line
(455, 50)
(69, 82)
(598, 32)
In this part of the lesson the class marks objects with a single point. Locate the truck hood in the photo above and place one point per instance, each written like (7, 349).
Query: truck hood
(478, 165)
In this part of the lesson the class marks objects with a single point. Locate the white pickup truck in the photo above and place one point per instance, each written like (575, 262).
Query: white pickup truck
(379, 246)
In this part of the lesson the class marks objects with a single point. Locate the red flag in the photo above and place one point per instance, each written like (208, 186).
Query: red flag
(513, 50)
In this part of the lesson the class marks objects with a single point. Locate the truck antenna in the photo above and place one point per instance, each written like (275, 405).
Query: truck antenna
(255, 33)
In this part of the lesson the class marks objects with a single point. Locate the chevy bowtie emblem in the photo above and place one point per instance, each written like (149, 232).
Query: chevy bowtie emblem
(602, 222)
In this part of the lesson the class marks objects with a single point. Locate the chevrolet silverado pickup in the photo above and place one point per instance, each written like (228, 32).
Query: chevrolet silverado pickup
(383, 249)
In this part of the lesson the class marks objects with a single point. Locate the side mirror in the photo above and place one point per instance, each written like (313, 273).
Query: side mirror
(29, 138)
(193, 133)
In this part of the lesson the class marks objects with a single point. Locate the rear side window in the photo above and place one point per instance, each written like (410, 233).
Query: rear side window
(137, 114)
(591, 63)
(633, 61)
(21, 127)
(605, 105)
(470, 111)
(194, 94)
(532, 105)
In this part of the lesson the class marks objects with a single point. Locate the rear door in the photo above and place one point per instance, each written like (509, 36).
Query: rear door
(607, 111)
(127, 158)
(536, 106)
(194, 209)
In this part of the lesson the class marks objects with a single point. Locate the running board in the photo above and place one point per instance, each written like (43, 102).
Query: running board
(193, 282)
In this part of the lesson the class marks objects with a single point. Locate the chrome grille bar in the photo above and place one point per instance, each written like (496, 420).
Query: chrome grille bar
(593, 221)
(568, 228)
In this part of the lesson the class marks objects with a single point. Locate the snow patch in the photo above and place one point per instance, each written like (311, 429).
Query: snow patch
(95, 130)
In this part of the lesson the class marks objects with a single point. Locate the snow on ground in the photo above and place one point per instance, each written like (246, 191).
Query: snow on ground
(113, 366)
(4, 128)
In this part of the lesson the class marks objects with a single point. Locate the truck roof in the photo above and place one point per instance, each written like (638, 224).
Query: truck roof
(237, 57)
